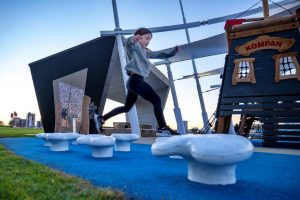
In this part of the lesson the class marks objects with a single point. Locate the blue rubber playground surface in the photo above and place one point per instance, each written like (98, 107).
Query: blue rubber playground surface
(142, 176)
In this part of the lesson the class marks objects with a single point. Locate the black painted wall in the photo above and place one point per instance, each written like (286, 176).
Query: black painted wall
(264, 69)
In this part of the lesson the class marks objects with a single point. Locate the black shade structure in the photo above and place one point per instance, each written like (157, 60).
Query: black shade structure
(93, 56)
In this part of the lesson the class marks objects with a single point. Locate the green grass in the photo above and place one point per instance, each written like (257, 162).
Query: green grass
(18, 132)
(25, 179)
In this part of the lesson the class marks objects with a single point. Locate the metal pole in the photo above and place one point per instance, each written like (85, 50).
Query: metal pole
(177, 112)
(204, 113)
(132, 114)
(201, 23)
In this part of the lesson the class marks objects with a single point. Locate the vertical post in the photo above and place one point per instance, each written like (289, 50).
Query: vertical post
(266, 8)
(85, 118)
(204, 113)
(58, 119)
(74, 124)
(177, 112)
(231, 129)
(132, 114)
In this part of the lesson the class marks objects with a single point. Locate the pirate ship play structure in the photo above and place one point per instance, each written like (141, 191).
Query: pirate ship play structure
(261, 79)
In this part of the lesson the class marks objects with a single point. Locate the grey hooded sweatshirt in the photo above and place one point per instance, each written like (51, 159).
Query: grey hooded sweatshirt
(138, 57)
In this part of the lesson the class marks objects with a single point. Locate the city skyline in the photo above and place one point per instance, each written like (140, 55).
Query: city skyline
(28, 122)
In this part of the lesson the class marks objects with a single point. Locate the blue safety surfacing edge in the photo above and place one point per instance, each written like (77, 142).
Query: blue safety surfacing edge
(140, 175)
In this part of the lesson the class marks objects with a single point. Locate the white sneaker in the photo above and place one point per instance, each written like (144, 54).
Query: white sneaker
(166, 132)
(97, 122)
(163, 133)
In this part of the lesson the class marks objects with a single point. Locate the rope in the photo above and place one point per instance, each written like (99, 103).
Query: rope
(281, 7)
(247, 9)
(258, 3)
(208, 124)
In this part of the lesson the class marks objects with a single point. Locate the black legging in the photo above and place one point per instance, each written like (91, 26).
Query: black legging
(137, 86)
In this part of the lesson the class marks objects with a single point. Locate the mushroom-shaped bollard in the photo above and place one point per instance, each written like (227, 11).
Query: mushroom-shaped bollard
(43, 136)
(85, 139)
(103, 147)
(124, 140)
(212, 158)
(60, 141)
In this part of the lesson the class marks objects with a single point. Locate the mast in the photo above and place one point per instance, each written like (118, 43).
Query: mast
(266, 8)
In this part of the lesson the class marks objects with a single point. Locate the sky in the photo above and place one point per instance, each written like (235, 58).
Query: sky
(34, 29)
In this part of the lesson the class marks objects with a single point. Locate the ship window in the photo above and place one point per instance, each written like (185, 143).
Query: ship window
(286, 66)
(243, 71)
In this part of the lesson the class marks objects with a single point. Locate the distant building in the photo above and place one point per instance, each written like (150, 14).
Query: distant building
(39, 124)
(30, 120)
(16, 122)
(22, 123)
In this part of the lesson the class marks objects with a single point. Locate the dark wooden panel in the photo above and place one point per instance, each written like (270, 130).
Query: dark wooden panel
(279, 119)
(273, 133)
(290, 144)
(281, 126)
(281, 138)
(262, 99)
(261, 113)
(262, 106)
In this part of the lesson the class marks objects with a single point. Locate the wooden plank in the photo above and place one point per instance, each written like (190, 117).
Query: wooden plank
(85, 118)
(260, 31)
(296, 64)
(269, 133)
(290, 144)
(273, 133)
(281, 138)
(262, 106)
(264, 99)
(223, 124)
(279, 119)
(58, 120)
(277, 70)
(269, 139)
(278, 21)
(281, 126)
(261, 113)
